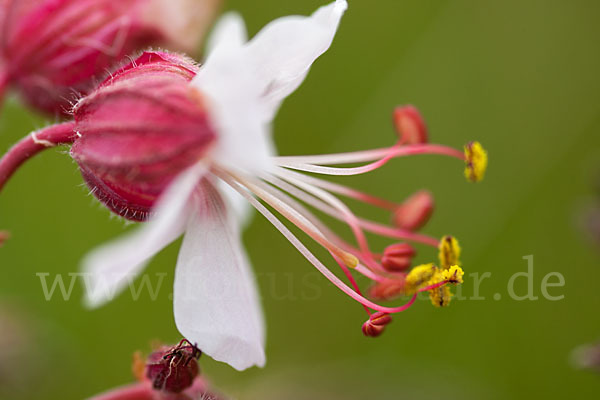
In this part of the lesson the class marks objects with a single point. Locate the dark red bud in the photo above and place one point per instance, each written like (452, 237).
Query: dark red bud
(173, 369)
(410, 125)
(138, 130)
(4, 236)
(415, 211)
(388, 289)
(398, 257)
(376, 324)
(53, 49)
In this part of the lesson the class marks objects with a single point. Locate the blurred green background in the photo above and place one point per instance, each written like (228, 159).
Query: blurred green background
(520, 76)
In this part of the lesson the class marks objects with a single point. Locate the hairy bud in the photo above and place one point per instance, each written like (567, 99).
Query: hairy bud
(53, 50)
(138, 130)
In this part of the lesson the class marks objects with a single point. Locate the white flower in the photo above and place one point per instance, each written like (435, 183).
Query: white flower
(216, 303)
(242, 85)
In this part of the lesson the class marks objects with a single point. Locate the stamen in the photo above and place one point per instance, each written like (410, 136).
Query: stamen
(306, 253)
(398, 257)
(345, 212)
(370, 226)
(415, 211)
(4, 236)
(294, 217)
(346, 191)
(419, 276)
(379, 156)
(476, 161)
(449, 253)
(410, 125)
(376, 324)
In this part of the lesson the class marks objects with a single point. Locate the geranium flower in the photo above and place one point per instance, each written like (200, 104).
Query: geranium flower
(53, 50)
(187, 149)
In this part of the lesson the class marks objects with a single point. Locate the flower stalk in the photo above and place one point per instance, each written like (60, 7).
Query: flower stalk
(31, 145)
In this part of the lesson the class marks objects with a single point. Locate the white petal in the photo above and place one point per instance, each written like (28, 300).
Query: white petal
(228, 34)
(245, 85)
(110, 268)
(282, 53)
(215, 299)
(244, 139)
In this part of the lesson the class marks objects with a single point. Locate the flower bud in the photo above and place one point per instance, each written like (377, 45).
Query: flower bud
(138, 130)
(173, 369)
(376, 324)
(410, 125)
(415, 211)
(388, 289)
(53, 50)
(398, 257)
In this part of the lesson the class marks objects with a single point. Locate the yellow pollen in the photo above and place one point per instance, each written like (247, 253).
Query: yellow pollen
(453, 275)
(476, 160)
(449, 252)
(419, 276)
(441, 296)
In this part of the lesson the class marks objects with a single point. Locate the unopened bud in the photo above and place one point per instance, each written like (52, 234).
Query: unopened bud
(387, 289)
(415, 211)
(398, 257)
(173, 369)
(376, 324)
(410, 125)
(138, 130)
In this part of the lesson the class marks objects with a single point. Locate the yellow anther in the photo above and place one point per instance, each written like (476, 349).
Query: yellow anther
(476, 160)
(419, 276)
(350, 260)
(449, 252)
(453, 275)
(440, 297)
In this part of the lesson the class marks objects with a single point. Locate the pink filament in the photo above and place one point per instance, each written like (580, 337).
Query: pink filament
(308, 255)
(372, 155)
(381, 157)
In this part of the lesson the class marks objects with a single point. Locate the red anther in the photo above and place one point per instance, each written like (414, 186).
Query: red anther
(410, 125)
(398, 257)
(415, 211)
(388, 289)
(173, 369)
(4, 236)
(376, 324)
